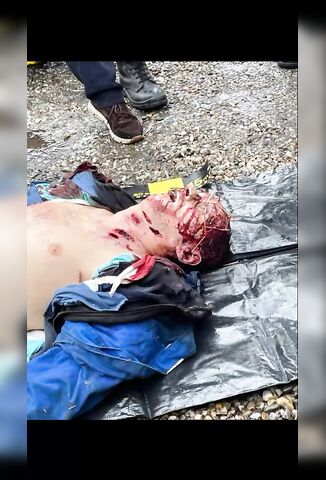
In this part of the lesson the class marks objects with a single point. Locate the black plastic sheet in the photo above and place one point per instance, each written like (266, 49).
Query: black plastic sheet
(263, 209)
(250, 341)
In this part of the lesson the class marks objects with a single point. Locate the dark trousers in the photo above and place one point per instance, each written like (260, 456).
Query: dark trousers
(99, 82)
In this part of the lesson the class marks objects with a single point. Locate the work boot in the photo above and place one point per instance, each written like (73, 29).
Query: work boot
(124, 127)
(288, 65)
(139, 86)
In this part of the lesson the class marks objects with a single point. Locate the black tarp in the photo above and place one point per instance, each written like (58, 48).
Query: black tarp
(250, 341)
(263, 209)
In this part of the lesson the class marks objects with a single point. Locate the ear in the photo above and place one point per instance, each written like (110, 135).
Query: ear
(186, 255)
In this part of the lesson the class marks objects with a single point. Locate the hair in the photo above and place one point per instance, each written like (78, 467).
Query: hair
(214, 246)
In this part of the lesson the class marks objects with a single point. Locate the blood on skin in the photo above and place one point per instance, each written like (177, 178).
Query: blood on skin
(135, 219)
(184, 228)
(156, 232)
(119, 233)
(214, 245)
(125, 235)
(147, 218)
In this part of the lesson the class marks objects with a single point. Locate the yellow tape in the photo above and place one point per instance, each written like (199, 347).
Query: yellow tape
(165, 185)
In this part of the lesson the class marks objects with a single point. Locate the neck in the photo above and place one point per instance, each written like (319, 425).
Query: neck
(141, 231)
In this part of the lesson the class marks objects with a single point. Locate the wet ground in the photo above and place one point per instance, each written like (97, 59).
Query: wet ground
(240, 116)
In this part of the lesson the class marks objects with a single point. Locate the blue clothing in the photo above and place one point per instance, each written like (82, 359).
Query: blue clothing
(33, 195)
(77, 367)
(99, 81)
(80, 293)
(33, 346)
(88, 359)
(114, 262)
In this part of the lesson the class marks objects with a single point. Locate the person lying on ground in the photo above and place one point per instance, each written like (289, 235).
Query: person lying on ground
(67, 242)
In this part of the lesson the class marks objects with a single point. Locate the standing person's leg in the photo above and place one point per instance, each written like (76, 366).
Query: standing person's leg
(99, 82)
(106, 99)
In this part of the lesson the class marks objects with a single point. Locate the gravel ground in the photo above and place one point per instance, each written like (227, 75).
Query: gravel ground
(240, 116)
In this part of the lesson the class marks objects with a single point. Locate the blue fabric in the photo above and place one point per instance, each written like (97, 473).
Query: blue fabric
(99, 81)
(114, 262)
(33, 345)
(77, 294)
(86, 182)
(80, 293)
(33, 196)
(88, 360)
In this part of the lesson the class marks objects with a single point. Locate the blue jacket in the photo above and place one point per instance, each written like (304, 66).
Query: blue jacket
(87, 360)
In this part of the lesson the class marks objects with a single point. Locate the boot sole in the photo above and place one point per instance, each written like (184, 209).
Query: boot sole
(115, 137)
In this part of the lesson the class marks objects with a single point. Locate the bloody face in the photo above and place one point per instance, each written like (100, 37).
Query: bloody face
(203, 224)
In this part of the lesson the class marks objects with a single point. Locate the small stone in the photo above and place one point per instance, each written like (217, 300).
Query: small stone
(295, 414)
(255, 416)
(290, 398)
(273, 416)
(250, 405)
(271, 401)
(286, 414)
(241, 407)
(284, 402)
(173, 417)
(270, 408)
(264, 416)
(267, 395)
(197, 416)
(207, 417)
(223, 411)
(278, 392)
(218, 406)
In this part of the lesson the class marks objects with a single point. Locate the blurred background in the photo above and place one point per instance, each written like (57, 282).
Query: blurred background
(12, 238)
(311, 281)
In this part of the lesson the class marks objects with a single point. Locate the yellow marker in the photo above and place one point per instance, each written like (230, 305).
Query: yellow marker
(165, 186)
